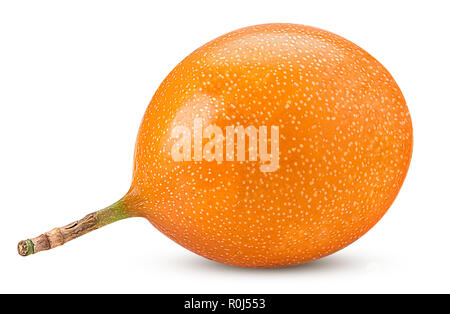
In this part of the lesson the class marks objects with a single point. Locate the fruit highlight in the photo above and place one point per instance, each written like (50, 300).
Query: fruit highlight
(272, 145)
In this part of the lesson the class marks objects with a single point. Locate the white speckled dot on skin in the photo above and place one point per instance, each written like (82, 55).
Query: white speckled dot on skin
(345, 147)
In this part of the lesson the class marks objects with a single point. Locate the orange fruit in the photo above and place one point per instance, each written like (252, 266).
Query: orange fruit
(338, 150)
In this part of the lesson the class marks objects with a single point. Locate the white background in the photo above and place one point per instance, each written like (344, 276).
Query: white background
(75, 79)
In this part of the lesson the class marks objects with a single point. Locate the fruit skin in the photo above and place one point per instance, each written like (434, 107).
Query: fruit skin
(345, 147)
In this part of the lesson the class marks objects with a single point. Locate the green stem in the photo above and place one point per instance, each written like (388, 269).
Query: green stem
(59, 236)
